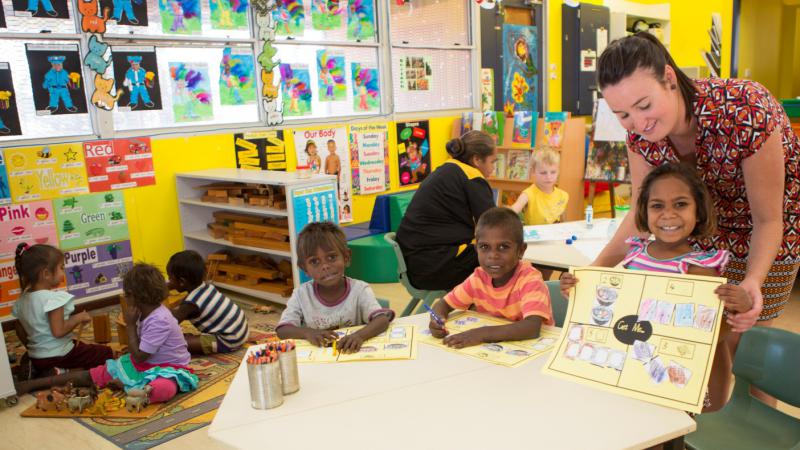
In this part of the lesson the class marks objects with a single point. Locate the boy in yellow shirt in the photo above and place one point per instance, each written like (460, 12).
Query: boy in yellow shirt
(545, 202)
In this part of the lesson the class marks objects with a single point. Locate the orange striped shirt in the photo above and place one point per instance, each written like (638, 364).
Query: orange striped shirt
(524, 295)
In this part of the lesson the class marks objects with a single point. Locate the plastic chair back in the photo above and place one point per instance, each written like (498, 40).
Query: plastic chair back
(769, 358)
(557, 301)
(417, 295)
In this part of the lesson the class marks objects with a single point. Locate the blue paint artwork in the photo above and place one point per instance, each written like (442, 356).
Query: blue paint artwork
(5, 191)
(520, 68)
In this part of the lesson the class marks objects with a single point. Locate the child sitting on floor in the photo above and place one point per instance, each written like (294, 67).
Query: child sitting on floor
(158, 356)
(222, 324)
(543, 202)
(45, 316)
(330, 300)
(503, 286)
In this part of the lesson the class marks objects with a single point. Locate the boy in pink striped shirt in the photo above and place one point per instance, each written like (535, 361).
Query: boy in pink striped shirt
(503, 286)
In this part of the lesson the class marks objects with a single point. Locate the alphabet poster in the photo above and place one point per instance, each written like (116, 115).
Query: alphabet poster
(119, 163)
(56, 79)
(127, 12)
(263, 150)
(39, 173)
(413, 150)
(369, 153)
(97, 269)
(326, 151)
(647, 335)
(136, 77)
(9, 115)
(89, 220)
(33, 223)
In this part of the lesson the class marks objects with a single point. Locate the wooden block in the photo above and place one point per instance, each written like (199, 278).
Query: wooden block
(267, 286)
(266, 229)
(212, 199)
(122, 332)
(217, 193)
(236, 200)
(217, 257)
(101, 325)
(279, 205)
(226, 216)
(261, 243)
(251, 272)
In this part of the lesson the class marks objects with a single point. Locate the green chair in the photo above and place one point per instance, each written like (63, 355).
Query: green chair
(371, 260)
(383, 302)
(769, 359)
(417, 295)
(557, 301)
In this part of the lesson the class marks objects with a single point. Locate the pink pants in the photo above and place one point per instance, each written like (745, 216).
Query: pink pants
(163, 388)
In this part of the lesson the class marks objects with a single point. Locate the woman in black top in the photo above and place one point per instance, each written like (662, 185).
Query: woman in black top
(437, 232)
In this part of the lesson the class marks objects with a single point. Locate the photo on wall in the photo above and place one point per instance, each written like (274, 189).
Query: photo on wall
(413, 152)
(9, 115)
(237, 81)
(416, 73)
(295, 89)
(56, 79)
(127, 12)
(191, 92)
(229, 14)
(136, 74)
(520, 72)
(180, 16)
(49, 9)
(289, 17)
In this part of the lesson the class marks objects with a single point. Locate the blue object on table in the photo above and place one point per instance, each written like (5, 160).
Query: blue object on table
(574, 238)
(569, 241)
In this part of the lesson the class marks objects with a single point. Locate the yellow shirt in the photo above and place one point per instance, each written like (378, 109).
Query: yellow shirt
(544, 208)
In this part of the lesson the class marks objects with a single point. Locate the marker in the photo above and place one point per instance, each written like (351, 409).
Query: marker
(335, 352)
(435, 317)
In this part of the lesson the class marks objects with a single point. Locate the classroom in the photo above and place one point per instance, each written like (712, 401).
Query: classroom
(224, 223)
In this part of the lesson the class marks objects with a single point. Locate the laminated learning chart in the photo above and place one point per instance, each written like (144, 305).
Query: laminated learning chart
(397, 342)
(509, 353)
(647, 335)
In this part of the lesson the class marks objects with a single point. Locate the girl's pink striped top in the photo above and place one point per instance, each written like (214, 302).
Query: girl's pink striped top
(638, 259)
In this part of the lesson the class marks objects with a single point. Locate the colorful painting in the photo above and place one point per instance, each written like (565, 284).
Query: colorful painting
(524, 129)
(229, 14)
(40, 173)
(296, 89)
(9, 115)
(520, 71)
(97, 269)
(326, 151)
(494, 123)
(180, 16)
(119, 164)
(290, 18)
(92, 219)
(327, 14)
(366, 88)
(261, 150)
(5, 190)
(369, 153)
(331, 81)
(237, 82)
(413, 150)
(56, 79)
(608, 161)
(360, 19)
(32, 223)
(554, 127)
(136, 78)
(191, 92)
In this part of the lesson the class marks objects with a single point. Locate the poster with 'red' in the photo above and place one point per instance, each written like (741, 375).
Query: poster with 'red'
(119, 163)
(33, 223)
(93, 270)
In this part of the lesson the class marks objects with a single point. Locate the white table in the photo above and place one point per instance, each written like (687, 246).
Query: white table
(561, 256)
(442, 400)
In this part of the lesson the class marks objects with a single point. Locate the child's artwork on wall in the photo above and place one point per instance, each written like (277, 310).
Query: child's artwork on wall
(494, 124)
(261, 150)
(48, 9)
(415, 73)
(554, 128)
(180, 16)
(91, 219)
(39, 173)
(519, 164)
(237, 83)
(487, 89)
(9, 115)
(229, 14)
(326, 151)
(331, 81)
(366, 88)
(360, 19)
(646, 335)
(290, 18)
(327, 14)
(608, 161)
(97, 269)
(369, 151)
(136, 78)
(524, 129)
(56, 78)
(32, 223)
(413, 150)
(296, 89)
(119, 163)
(127, 12)
(520, 72)
(191, 91)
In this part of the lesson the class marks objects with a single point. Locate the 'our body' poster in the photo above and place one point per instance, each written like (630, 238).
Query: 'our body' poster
(327, 152)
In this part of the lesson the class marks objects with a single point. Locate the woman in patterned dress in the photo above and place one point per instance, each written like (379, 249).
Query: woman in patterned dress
(741, 142)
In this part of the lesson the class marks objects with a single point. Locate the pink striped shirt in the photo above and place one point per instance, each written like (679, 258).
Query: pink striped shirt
(638, 259)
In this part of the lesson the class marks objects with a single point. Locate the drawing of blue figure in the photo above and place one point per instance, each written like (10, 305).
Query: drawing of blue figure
(33, 7)
(56, 81)
(3, 128)
(135, 81)
(124, 6)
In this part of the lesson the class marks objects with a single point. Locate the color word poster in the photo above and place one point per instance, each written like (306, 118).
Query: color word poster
(93, 270)
(509, 353)
(32, 223)
(40, 173)
(314, 204)
(397, 342)
(9, 286)
(119, 164)
(90, 219)
(647, 335)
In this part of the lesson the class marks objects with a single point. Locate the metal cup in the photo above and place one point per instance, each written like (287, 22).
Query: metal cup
(266, 389)
(289, 373)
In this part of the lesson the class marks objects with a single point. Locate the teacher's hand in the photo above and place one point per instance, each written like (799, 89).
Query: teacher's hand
(742, 322)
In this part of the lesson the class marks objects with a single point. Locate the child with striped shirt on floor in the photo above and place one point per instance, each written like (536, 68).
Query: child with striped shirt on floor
(503, 286)
(221, 322)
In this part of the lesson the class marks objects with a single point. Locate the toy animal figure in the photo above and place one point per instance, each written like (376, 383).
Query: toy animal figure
(51, 398)
(91, 22)
(94, 59)
(79, 403)
(138, 398)
(102, 97)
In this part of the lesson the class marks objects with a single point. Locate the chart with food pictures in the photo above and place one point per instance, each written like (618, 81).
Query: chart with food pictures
(397, 342)
(647, 335)
(509, 353)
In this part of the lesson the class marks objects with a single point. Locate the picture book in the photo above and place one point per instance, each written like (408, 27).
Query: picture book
(518, 164)
(500, 166)
(493, 123)
(524, 129)
(487, 89)
(397, 342)
(507, 198)
(554, 128)
(466, 122)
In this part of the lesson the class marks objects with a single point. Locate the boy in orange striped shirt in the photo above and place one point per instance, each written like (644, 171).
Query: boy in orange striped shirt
(503, 286)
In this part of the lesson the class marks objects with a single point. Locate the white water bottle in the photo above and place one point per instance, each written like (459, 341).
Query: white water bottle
(589, 214)
(612, 228)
